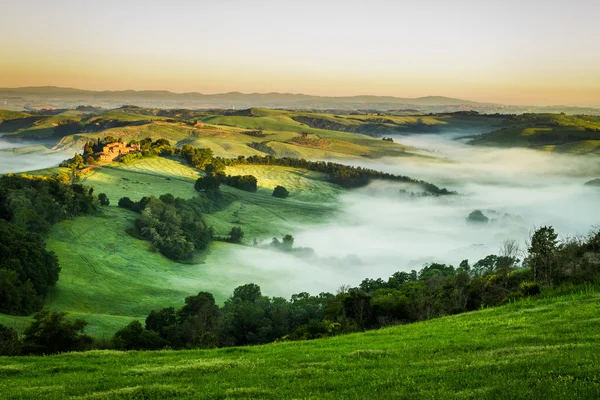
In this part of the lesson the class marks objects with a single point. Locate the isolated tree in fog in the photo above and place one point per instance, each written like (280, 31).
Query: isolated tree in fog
(288, 242)
(477, 217)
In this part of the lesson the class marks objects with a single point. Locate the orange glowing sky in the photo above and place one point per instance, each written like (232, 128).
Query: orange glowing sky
(517, 52)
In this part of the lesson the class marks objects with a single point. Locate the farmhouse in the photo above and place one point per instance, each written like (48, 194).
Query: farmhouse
(112, 151)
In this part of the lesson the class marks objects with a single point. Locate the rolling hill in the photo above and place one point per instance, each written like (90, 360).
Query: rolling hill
(103, 267)
(577, 134)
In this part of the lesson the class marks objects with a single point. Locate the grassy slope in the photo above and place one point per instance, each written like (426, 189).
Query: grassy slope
(537, 349)
(225, 134)
(549, 132)
(103, 268)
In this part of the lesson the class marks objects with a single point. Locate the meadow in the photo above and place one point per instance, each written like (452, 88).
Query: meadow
(533, 348)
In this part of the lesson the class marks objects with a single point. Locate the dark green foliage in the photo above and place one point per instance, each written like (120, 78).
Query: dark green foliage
(542, 254)
(248, 183)
(477, 217)
(27, 270)
(530, 288)
(104, 200)
(175, 226)
(199, 158)
(51, 333)
(135, 337)
(207, 183)
(10, 344)
(280, 192)
(236, 235)
(28, 208)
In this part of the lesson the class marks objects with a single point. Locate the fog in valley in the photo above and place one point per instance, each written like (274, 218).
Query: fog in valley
(380, 231)
(27, 156)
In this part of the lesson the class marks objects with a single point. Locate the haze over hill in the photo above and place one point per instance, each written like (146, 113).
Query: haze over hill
(42, 97)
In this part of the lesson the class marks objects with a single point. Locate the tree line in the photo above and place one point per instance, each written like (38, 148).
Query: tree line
(29, 206)
(343, 175)
(248, 317)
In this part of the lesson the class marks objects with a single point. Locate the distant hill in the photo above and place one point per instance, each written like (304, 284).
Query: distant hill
(48, 97)
(593, 182)
(574, 134)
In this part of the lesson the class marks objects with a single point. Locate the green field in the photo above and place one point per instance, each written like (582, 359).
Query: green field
(535, 349)
(104, 268)
(558, 133)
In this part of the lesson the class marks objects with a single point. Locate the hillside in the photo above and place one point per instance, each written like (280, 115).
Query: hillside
(536, 349)
(245, 132)
(103, 267)
(577, 134)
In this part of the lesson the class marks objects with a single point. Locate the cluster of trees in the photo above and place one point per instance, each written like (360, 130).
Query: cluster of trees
(174, 226)
(49, 333)
(343, 175)
(28, 208)
(248, 183)
(248, 317)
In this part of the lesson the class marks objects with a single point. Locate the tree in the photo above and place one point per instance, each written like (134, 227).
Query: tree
(542, 254)
(207, 183)
(135, 337)
(477, 217)
(10, 345)
(250, 292)
(103, 198)
(287, 242)
(51, 333)
(280, 192)
(236, 234)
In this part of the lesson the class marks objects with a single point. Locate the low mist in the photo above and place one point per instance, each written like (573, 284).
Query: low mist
(27, 156)
(385, 231)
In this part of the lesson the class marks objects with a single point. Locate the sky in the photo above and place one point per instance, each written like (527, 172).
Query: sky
(513, 51)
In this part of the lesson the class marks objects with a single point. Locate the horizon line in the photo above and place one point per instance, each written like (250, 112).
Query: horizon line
(466, 101)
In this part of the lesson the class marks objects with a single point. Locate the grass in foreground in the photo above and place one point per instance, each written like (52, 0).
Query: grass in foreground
(538, 349)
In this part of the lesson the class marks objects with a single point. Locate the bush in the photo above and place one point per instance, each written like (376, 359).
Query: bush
(530, 288)
(280, 192)
(135, 337)
(207, 183)
(103, 198)
(50, 333)
(236, 234)
(10, 345)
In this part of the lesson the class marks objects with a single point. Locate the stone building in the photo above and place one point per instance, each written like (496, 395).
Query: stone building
(113, 151)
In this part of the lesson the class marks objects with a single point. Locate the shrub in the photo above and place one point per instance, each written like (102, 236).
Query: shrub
(50, 333)
(530, 288)
(280, 192)
(103, 198)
